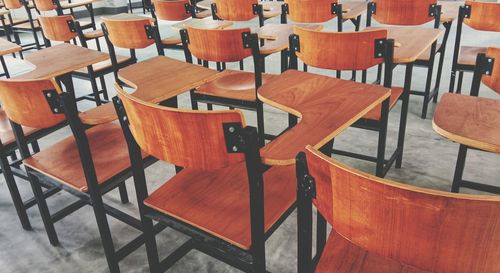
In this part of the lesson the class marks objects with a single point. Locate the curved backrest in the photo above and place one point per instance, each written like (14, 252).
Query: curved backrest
(45, 5)
(128, 31)
(13, 4)
(186, 138)
(235, 10)
(218, 45)
(431, 230)
(493, 80)
(483, 15)
(25, 103)
(339, 50)
(403, 12)
(310, 11)
(56, 28)
(171, 10)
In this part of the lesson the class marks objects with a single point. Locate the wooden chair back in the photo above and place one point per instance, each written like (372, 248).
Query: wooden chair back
(493, 79)
(171, 10)
(420, 227)
(25, 102)
(339, 50)
(403, 12)
(187, 138)
(483, 15)
(236, 10)
(57, 28)
(45, 5)
(129, 32)
(13, 4)
(218, 45)
(310, 11)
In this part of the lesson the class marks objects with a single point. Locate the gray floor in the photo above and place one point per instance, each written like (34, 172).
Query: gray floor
(428, 162)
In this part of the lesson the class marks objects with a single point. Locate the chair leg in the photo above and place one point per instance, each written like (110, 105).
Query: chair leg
(35, 147)
(451, 89)
(260, 123)
(210, 107)
(37, 42)
(459, 168)
(14, 193)
(123, 192)
(460, 80)
(437, 87)
(194, 102)
(95, 88)
(427, 90)
(150, 242)
(4, 67)
(404, 114)
(104, 88)
(382, 139)
(44, 210)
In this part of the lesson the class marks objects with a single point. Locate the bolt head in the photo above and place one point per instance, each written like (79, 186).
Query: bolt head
(49, 95)
(231, 129)
(56, 110)
(235, 149)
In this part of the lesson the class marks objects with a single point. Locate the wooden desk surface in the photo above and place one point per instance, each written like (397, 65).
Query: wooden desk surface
(276, 36)
(7, 47)
(155, 80)
(61, 59)
(325, 105)
(471, 121)
(411, 41)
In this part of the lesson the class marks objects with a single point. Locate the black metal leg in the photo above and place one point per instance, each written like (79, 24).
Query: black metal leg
(95, 88)
(460, 80)
(260, 123)
(459, 168)
(452, 81)
(123, 192)
(35, 147)
(4, 67)
(404, 113)
(284, 60)
(104, 88)
(44, 210)
(382, 138)
(194, 103)
(210, 107)
(428, 82)
(320, 234)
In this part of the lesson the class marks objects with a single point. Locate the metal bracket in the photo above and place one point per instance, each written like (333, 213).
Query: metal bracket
(334, 8)
(234, 140)
(53, 100)
(71, 25)
(467, 11)
(184, 36)
(247, 39)
(295, 42)
(308, 185)
(120, 110)
(187, 7)
(433, 10)
(257, 9)
(372, 7)
(380, 45)
(149, 31)
(284, 9)
(488, 66)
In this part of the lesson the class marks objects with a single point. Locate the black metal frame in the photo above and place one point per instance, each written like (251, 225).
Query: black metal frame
(11, 28)
(256, 8)
(151, 32)
(89, 7)
(67, 104)
(335, 9)
(484, 66)
(189, 10)
(250, 40)
(429, 93)
(384, 48)
(238, 140)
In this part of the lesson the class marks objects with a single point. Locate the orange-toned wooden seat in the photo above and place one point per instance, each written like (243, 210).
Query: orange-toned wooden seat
(235, 88)
(384, 226)
(238, 10)
(88, 164)
(217, 197)
(130, 32)
(64, 28)
(354, 51)
(61, 6)
(312, 11)
(13, 26)
(176, 10)
(480, 16)
(414, 13)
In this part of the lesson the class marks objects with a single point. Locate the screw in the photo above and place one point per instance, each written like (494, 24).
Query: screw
(231, 129)
(49, 95)
(379, 55)
(235, 149)
(490, 60)
(56, 110)
(487, 72)
(124, 118)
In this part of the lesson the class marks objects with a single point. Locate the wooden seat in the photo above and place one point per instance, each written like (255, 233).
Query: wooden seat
(238, 10)
(173, 10)
(375, 113)
(342, 256)
(468, 54)
(238, 85)
(172, 40)
(384, 226)
(61, 161)
(217, 202)
(93, 34)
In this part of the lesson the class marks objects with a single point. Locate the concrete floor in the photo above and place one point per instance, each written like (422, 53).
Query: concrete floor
(429, 162)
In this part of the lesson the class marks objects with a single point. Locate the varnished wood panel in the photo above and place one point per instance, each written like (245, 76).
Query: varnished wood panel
(25, 103)
(7, 47)
(493, 80)
(45, 5)
(128, 30)
(471, 121)
(424, 228)
(171, 10)
(6, 134)
(235, 10)
(12, 4)
(483, 15)
(468, 54)
(403, 12)
(55, 28)
(410, 43)
(310, 11)
(217, 201)
(339, 50)
(276, 36)
(187, 138)
(326, 106)
(61, 59)
(218, 45)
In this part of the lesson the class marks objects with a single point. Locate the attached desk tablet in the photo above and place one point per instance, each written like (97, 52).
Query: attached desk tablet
(6, 48)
